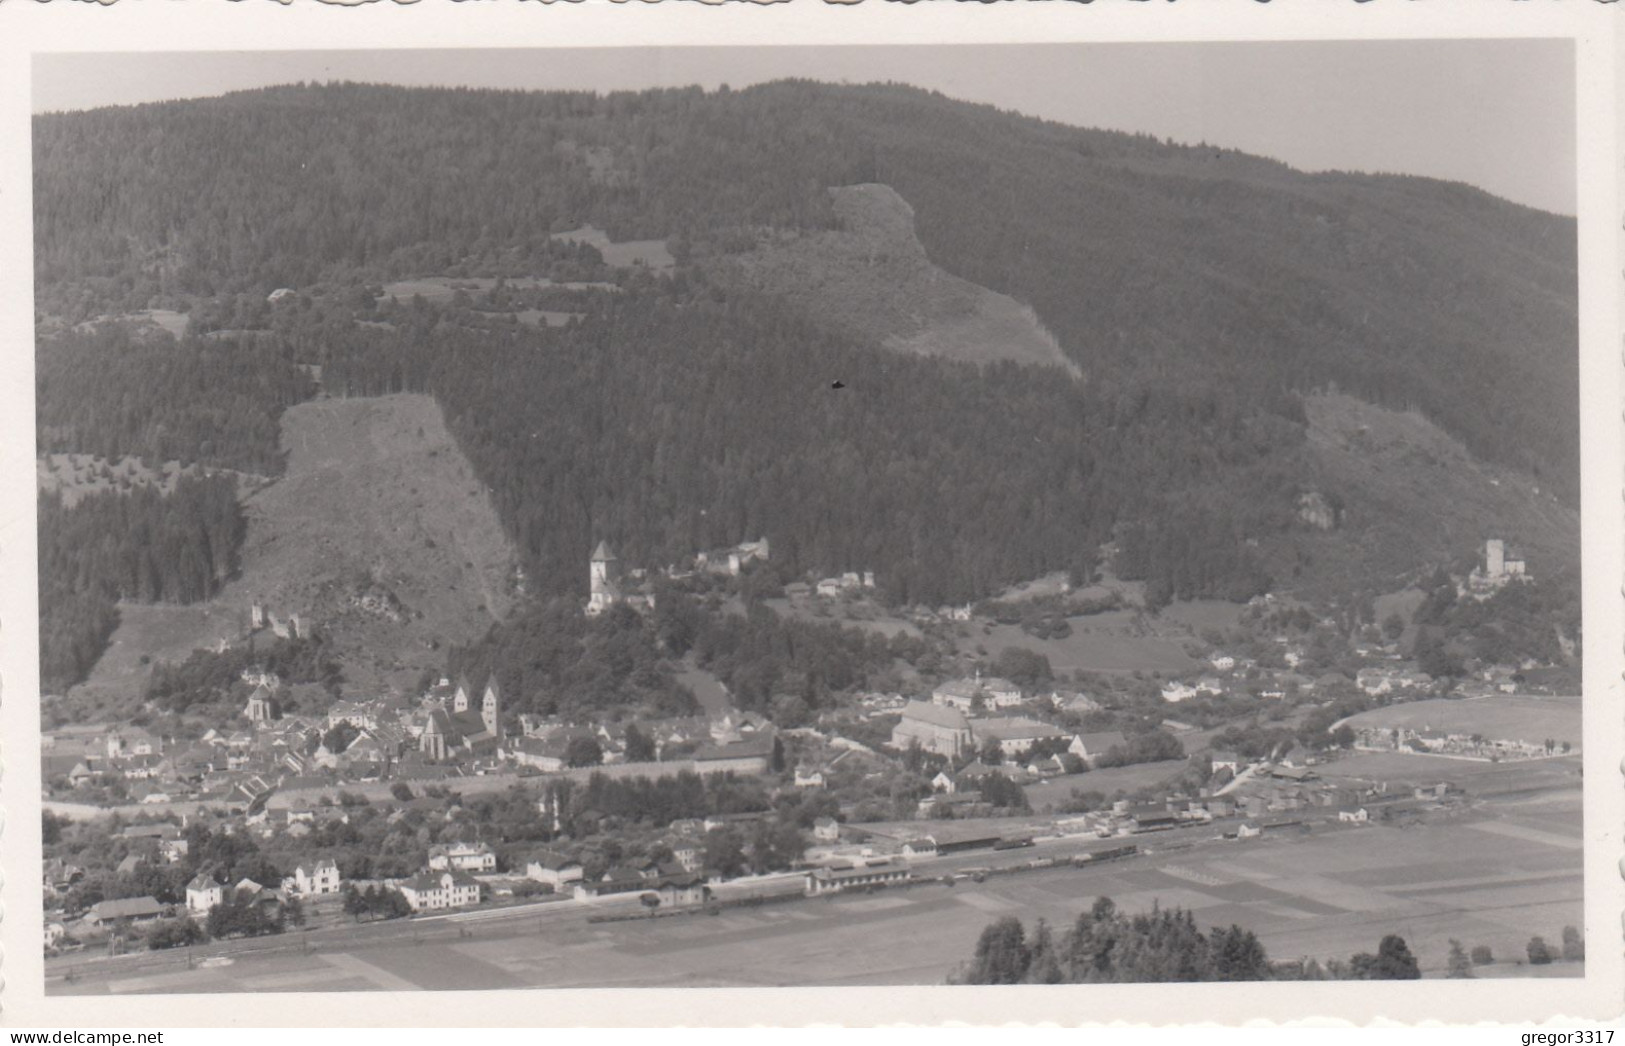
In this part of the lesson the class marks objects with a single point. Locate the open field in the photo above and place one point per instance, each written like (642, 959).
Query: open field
(437, 289)
(377, 496)
(650, 253)
(1200, 614)
(546, 317)
(79, 475)
(1105, 642)
(1475, 777)
(1108, 782)
(1506, 718)
(1329, 893)
(874, 275)
(169, 320)
(863, 614)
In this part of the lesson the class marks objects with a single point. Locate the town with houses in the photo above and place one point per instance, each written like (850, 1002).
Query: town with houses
(385, 807)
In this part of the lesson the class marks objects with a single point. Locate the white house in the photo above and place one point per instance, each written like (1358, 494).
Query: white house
(463, 857)
(827, 830)
(321, 877)
(1359, 816)
(962, 694)
(943, 784)
(1015, 734)
(688, 855)
(1222, 662)
(452, 888)
(921, 848)
(203, 893)
(1090, 747)
(554, 869)
(1176, 692)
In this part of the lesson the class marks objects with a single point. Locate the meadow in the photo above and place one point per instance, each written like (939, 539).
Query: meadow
(1503, 718)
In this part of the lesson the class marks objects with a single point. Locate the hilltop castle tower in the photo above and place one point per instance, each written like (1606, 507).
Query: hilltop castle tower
(605, 572)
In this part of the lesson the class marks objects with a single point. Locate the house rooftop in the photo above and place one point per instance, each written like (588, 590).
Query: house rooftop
(935, 715)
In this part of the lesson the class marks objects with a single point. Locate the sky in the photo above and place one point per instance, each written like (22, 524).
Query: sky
(1498, 114)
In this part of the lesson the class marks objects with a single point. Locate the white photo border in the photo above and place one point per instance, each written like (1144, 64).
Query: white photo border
(30, 28)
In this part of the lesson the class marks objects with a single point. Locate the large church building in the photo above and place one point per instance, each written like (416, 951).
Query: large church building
(462, 729)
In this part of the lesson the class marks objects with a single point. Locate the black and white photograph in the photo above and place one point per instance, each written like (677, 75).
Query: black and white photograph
(935, 514)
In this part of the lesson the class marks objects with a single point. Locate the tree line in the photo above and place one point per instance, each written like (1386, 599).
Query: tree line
(1107, 946)
(115, 391)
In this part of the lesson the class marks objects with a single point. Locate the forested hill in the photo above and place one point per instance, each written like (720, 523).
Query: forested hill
(1150, 262)
(1201, 292)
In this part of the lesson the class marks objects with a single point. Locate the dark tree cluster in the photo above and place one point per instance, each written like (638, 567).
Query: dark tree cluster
(552, 660)
(655, 802)
(769, 662)
(1521, 621)
(245, 916)
(214, 678)
(175, 933)
(1105, 946)
(373, 903)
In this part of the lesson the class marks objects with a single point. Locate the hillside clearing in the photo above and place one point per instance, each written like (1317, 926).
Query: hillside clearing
(874, 276)
(376, 499)
(651, 254)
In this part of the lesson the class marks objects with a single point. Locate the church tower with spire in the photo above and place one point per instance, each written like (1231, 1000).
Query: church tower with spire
(605, 572)
(491, 709)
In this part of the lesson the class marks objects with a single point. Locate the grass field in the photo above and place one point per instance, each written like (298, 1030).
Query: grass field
(1475, 777)
(1504, 718)
(873, 274)
(436, 289)
(168, 319)
(1200, 614)
(865, 615)
(1108, 782)
(650, 253)
(546, 317)
(79, 475)
(1495, 881)
(1099, 643)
